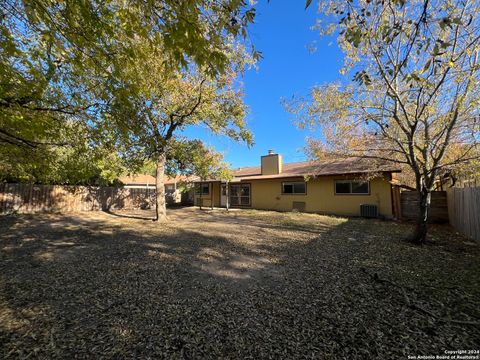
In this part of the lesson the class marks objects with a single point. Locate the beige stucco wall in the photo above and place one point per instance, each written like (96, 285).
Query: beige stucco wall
(321, 198)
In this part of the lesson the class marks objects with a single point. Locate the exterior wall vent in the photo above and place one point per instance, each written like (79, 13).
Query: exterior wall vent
(368, 211)
(298, 206)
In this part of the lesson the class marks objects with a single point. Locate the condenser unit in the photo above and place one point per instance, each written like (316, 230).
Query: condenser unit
(369, 211)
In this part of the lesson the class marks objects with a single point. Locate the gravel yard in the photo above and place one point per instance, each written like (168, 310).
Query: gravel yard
(239, 285)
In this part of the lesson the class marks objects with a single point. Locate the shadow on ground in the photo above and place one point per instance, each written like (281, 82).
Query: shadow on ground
(231, 285)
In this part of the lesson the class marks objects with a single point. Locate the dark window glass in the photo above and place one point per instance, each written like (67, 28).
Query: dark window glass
(239, 194)
(245, 200)
(359, 187)
(299, 188)
(294, 187)
(342, 187)
(202, 189)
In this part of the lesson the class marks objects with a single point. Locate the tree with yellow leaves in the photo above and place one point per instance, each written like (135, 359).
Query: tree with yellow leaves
(415, 89)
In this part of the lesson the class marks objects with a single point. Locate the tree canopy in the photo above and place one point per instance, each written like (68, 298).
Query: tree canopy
(414, 93)
(150, 105)
(59, 60)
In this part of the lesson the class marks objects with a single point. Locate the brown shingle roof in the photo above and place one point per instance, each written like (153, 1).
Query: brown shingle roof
(318, 168)
(179, 179)
(247, 171)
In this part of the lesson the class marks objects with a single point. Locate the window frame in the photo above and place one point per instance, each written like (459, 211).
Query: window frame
(199, 190)
(350, 181)
(293, 187)
(239, 197)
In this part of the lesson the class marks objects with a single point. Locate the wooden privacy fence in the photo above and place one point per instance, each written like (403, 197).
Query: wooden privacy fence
(28, 198)
(410, 206)
(464, 210)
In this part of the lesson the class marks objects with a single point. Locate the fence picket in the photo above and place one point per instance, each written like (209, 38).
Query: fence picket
(410, 206)
(464, 210)
(29, 198)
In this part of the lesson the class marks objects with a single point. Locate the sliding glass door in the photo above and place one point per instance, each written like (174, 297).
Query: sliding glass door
(240, 194)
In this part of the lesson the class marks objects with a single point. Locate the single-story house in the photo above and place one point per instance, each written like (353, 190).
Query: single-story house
(337, 187)
(138, 181)
(145, 181)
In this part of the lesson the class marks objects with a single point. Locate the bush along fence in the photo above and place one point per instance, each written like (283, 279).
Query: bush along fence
(464, 210)
(29, 198)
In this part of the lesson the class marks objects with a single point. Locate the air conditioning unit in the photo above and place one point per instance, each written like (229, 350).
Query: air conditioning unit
(368, 211)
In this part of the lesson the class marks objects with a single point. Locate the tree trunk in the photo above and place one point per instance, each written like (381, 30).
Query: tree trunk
(160, 208)
(420, 234)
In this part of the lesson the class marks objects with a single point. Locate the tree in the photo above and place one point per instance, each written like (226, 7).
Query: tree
(152, 105)
(57, 56)
(61, 165)
(415, 92)
(194, 159)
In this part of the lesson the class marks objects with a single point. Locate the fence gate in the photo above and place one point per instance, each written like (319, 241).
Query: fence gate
(410, 206)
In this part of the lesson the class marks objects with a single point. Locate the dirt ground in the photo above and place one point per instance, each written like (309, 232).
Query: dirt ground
(238, 285)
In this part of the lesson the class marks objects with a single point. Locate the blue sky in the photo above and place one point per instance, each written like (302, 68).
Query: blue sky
(282, 32)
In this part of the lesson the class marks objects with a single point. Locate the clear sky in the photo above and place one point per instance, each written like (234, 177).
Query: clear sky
(282, 32)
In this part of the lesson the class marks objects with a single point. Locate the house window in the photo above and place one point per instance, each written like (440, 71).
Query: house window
(240, 194)
(202, 189)
(352, 187)
(297, 187)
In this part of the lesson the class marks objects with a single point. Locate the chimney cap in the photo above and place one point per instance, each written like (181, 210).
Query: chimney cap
(271, 152)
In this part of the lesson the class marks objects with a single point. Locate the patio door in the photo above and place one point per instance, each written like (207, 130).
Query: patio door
(240, 195)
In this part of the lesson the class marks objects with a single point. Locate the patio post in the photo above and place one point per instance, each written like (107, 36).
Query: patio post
(213, 196)
(227, 203)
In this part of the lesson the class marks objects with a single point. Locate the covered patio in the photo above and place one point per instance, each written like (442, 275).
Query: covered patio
(222, 194)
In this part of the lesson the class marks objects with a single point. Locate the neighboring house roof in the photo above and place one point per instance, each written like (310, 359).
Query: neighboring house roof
(144, 179)
(179, 179)
(137, 179)
(317, 168)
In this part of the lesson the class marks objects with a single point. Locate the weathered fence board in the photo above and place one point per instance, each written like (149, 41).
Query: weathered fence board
(410, 206)
(397, 204)
(464, 210)
(29, 198)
